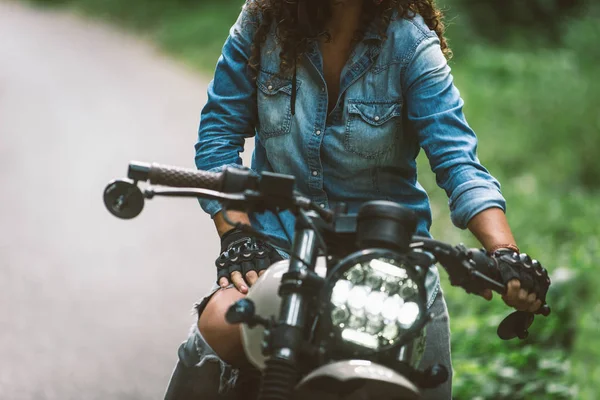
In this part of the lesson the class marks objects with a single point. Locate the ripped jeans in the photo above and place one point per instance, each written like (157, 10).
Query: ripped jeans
(201, 375)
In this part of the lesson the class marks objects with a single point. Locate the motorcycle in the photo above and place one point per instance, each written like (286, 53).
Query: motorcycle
(346, 315)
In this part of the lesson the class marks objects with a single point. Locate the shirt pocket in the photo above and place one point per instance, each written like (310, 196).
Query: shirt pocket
(373, 127)
(274, 104)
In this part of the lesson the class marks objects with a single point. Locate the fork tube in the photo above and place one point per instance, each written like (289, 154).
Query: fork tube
(293, 303)
(286, 337)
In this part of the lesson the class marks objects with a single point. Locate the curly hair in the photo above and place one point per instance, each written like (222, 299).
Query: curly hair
(294, 29)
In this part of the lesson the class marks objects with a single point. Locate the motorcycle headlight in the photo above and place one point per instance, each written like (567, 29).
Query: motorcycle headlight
(375, 300)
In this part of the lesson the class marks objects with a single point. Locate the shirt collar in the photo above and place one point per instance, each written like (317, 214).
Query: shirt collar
(372, 32)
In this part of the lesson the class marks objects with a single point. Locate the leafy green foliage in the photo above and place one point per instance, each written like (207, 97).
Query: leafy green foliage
(533, 99)
(499, 19)
(535, 112)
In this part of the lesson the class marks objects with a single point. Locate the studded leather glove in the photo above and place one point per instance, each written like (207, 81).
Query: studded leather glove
(533, 277)
(242, 252)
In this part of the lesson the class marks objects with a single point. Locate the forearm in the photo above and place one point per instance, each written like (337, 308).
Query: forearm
(491, 228)
(234, 216)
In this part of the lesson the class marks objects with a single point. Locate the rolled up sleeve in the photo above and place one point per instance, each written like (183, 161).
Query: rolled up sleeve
(435, 113)
(229, 116)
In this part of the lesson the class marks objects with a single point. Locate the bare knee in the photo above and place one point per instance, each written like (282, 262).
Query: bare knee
(224, 338)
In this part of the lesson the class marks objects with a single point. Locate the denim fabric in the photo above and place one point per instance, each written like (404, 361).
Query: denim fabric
(396, 97)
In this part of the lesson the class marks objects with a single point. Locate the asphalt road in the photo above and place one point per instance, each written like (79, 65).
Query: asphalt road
(92, 307)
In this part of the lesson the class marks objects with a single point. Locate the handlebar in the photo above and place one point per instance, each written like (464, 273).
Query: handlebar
(471, 269)
(165, 175)
(237, 188)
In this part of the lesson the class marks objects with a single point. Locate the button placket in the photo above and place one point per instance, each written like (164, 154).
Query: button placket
(314, 160)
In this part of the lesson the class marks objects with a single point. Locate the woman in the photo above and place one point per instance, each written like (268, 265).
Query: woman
(342, 94)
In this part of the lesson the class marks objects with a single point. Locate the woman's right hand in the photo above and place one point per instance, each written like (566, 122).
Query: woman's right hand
(243, 259)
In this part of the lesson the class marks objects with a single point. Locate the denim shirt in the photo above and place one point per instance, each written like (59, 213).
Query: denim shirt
(396, 97)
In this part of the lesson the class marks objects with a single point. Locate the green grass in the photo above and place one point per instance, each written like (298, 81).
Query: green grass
(535, 109)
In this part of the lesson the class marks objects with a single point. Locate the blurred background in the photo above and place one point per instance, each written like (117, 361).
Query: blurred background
(92, 307)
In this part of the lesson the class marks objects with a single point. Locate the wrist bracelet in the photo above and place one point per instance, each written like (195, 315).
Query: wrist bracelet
(497, 247)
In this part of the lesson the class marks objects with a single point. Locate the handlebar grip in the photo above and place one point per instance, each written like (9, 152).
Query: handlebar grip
(485, 264)
(166, 175)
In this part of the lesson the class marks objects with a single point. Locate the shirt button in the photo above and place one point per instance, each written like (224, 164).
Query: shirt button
(322, 205)
(315, 173)
(270, 87)
(377, 118)
(322, 88)
(318, 133)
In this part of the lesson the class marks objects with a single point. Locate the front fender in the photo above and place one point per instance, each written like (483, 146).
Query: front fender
(357, 379)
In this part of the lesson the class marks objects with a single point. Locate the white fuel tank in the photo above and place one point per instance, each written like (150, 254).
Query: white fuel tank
(267, 302)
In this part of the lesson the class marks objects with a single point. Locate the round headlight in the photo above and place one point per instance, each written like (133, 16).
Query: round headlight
(375, 300)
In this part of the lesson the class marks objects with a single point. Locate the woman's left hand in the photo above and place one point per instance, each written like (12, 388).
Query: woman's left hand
(526, 281)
